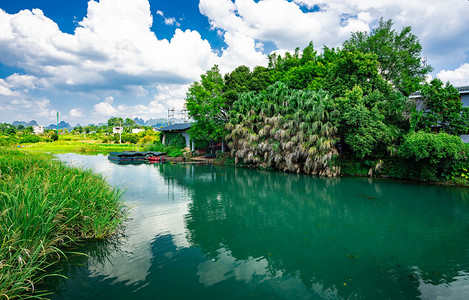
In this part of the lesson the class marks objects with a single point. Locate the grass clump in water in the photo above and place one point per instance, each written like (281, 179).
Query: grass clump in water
(44, 207)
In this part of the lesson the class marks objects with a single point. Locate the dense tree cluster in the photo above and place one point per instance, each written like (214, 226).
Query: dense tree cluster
(308, 111)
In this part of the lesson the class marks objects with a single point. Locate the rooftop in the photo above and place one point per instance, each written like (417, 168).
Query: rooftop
(177, 127)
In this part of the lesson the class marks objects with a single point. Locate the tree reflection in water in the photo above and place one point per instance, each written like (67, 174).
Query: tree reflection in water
(350, 237)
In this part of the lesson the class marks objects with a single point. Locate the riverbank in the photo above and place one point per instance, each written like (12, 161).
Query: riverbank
(84, 146)
(46, 206)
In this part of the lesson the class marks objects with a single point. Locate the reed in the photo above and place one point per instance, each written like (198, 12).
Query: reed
(46, 206)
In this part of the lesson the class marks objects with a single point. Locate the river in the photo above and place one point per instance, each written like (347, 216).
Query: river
(212, 232)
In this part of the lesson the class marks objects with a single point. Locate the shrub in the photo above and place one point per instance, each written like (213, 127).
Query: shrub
(429, 157)
(29, 139)
(54, 137)
(175, 139)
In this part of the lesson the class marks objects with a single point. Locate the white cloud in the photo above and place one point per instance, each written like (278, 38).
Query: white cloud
(329, 23)
(105, 109)
(171, 21)
(76, 113)
(113, 47)
(113, 50)
(457, 77)
(5, 89)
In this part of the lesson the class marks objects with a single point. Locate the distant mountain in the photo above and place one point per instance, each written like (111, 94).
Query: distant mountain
(62, 125)
(156, 122)
(139, 121)
(25, 124)
(78, 125)
(18, 123)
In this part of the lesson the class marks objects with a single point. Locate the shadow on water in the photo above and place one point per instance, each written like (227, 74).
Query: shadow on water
(216, 232)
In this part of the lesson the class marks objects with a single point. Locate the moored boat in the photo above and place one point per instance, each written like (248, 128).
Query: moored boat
(134, 156)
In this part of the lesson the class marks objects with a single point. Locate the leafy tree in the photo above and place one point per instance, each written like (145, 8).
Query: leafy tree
(11, 130)
(398, 54)
(353, 68)
(207, 104)
(236, 82)
(128, 124)
(361, 125)
(242, 80)
(114, 121)
(300, 71)
(442, 109)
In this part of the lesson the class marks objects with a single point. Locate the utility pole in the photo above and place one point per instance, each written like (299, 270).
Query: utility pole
(57, 123)
(183, 114)
(170, 115)
(120, 134)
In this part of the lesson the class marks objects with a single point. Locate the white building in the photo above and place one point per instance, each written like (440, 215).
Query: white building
(38, 129)
(137, 130)
(117, 130)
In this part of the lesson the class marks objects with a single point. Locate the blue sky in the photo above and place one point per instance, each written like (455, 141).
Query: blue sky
(90, 60)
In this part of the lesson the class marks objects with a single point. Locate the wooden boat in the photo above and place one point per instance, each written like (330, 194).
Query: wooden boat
(133, 156)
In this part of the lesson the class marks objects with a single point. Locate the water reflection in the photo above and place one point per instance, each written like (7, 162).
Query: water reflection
(350, 236)
(216, 232)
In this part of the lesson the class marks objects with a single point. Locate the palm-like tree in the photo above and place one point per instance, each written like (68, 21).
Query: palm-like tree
(285, 129)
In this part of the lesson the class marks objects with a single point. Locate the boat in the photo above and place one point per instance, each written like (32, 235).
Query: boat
(156, 159)
(134, 156)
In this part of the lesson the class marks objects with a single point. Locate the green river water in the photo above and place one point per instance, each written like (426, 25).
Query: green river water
(209, 232)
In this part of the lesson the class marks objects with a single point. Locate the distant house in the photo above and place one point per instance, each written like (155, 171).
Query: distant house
(137, 130)
(178, 128)
(463, 95)
(117, 129)
(38, 129)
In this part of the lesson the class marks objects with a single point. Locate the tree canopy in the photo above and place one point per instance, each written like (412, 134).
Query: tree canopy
(309, 110)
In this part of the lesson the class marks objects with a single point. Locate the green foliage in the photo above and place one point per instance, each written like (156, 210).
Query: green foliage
(207, 104)
(458, 172)
(46, 206)
(175, 140)
(429, 157)
(170, 150)
(434, 147)
(301, 71)
(398, 54)
(112, 122)
(353, 68)
(54, 137)
(442, 109)
(361, 124)
(6, 140)
(30, 138)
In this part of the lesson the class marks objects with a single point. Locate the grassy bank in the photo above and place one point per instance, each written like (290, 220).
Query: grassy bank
(44, 207)
(80, 147)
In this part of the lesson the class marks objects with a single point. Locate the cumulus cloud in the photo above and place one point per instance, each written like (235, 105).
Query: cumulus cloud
(114, 50)
(457, 77)
(294, 24)
(112, 44)
(76, 113)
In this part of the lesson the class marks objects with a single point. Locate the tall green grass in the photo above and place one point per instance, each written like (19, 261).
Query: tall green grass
(46, 206)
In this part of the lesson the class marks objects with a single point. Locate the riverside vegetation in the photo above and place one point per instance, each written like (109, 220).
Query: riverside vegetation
(343, 111)
(45, 207)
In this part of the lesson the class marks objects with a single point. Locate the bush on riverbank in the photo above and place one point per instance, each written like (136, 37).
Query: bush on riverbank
(45, 206)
